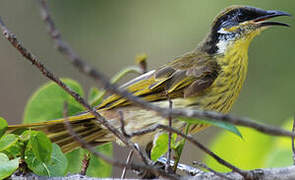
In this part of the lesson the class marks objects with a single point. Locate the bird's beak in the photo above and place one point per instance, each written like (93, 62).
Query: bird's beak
(265, 15)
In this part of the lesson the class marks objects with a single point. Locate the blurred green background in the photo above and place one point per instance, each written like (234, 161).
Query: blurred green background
(109, 33)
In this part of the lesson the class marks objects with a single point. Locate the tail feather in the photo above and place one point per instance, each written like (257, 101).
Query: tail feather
(88, 129)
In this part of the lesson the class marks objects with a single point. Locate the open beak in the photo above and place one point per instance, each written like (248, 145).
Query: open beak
(268, 15)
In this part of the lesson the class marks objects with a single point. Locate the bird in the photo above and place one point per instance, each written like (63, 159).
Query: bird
(209, 77)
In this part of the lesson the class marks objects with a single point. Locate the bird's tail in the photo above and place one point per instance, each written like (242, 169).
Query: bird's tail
(84, 126)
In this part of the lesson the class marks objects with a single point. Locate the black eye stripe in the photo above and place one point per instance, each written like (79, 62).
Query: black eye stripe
(231, 17)
(237, 16)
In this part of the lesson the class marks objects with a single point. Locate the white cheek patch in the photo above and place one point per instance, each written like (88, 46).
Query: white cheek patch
(224, 40)
(222, 46)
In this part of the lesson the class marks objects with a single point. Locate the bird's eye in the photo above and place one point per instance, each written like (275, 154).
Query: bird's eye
(242, 16)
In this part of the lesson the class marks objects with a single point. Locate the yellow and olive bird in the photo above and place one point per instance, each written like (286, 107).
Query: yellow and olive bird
(207, 78)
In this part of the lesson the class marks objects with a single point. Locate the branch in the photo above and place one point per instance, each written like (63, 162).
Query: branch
(202, 165)
(287, 173)
(109, 160)
(167, 166)
(197, 144)
(127, 162)
(33, 59)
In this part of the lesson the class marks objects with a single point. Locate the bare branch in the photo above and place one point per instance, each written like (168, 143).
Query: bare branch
(127, 162)
(112, 161)
(123, 124)
(33, 59)
(85, 164)
(194, 142)
(85, 161)
(206, 150)
(202, 165)
(167, 166)
(287, 173)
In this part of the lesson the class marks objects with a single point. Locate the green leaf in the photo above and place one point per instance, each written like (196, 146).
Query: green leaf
(160, 146)
(98, 167)
(173, 141)
(179, 147)
(7, 167)
(41, 146)
(26, 135)
(223, 125)
(75, 157)
(7, 141)
(247, 153)
(55, 167)
(47, 102)
(3, 126)
(11, 146)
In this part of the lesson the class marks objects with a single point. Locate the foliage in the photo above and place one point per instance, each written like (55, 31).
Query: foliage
(160, 144)
(35, 148)
(3, 126)
(7, 167)
(255, 150)
(98, 167)
(48, 101)
(220, 124)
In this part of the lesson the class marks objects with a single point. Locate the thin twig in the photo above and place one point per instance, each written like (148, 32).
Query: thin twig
(82, 66)
(194, 142)
(202, 165)
(85, 161)
(33, 59)
(85, 164)
(127, 162)
(109, 160)
(123, 130)
(293, 147)
(167, 165)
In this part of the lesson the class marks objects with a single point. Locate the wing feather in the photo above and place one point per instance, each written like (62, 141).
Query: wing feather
(183, 77)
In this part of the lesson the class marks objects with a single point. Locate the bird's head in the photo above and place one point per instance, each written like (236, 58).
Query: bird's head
(238, 23)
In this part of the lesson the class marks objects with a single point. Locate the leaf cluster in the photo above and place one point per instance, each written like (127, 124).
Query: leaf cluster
(34, 148)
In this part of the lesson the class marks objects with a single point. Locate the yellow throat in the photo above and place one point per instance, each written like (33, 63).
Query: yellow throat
(233, 62)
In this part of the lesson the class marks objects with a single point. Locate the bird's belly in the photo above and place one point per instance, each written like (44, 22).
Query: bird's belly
(136, 118)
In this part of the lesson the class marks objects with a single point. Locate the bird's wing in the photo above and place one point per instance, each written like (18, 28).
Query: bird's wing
(184, 77)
